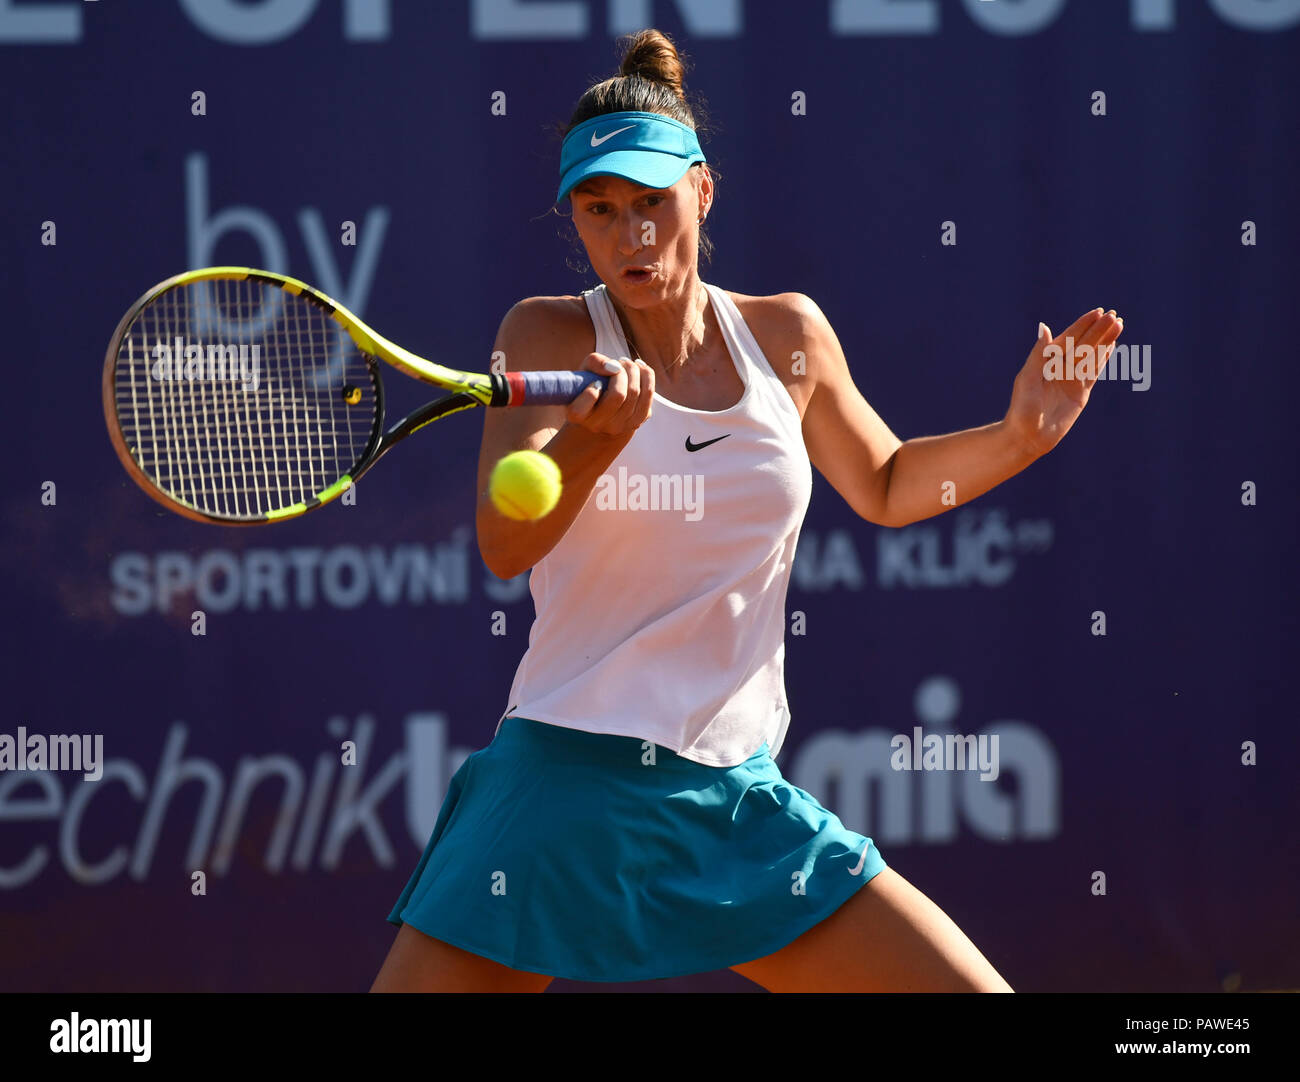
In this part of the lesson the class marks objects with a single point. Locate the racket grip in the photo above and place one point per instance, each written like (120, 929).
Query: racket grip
(548, 388)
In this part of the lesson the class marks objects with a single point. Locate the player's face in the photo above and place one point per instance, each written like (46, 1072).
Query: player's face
(643, 243)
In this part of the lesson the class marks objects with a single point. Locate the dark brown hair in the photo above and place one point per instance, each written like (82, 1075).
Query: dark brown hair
(650, 79)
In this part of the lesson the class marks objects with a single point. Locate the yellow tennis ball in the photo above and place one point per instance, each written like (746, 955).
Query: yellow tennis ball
(525, 485)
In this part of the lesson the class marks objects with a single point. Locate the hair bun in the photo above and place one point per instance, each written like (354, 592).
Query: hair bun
(652, 55)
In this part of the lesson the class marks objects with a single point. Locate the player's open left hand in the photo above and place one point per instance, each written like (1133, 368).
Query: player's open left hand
(1054, 384)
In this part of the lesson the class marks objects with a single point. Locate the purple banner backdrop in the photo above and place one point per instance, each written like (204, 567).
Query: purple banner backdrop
(1132, 155)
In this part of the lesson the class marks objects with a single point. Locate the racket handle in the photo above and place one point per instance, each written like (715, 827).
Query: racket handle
(544, 388)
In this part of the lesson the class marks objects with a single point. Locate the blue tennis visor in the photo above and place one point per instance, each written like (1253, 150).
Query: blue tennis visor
(645, 148)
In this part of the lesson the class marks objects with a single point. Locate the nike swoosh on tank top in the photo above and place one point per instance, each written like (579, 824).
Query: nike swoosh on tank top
(660, 614)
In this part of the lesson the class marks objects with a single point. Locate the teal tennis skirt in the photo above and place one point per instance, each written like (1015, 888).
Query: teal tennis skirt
(607, 858)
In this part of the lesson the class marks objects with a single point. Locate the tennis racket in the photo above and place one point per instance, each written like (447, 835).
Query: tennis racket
(240, 397)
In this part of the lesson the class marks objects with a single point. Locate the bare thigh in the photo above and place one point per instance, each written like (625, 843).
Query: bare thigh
(889, 937)
(419, 963)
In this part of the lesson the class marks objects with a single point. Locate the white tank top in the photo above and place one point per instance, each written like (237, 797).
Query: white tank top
(661, 612)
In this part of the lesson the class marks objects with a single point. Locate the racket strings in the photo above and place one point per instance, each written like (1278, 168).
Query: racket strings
(229, 395)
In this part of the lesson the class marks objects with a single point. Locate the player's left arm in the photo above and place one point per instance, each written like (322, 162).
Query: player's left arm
(894, 483)
(846, 439)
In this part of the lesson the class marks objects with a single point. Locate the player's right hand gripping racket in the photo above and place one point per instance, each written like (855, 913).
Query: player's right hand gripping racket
(240, 396)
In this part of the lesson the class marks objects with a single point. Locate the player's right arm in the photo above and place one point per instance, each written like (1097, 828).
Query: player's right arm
(541, 334)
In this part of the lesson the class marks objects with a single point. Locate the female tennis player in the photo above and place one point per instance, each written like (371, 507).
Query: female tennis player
(627, 821)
